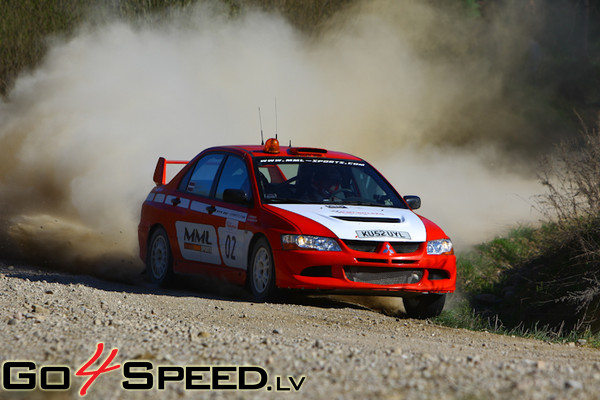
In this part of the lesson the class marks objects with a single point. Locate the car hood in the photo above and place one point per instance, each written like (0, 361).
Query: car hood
(362, 222)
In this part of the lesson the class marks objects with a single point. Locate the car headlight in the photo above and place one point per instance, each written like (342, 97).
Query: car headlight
(305, 242)
(441, 246)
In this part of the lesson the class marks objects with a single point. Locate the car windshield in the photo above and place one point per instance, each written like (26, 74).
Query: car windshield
(323, 181)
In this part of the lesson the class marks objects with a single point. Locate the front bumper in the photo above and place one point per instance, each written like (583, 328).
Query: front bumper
(357, 271)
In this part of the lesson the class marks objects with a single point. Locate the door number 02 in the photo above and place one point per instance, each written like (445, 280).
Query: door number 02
(230, 243)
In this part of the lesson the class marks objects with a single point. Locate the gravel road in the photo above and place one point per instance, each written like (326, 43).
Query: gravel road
(311, 348)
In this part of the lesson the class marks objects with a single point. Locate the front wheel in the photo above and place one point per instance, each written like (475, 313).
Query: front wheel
(425, 305)
(261, 271)
(160, 259)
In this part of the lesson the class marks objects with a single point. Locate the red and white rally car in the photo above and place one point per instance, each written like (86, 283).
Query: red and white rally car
(296, 218)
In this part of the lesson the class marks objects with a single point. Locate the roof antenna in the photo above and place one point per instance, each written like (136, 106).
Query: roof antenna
(275, 117)
(262, 140)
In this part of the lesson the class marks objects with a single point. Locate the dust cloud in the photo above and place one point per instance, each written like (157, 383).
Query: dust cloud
(403, 85)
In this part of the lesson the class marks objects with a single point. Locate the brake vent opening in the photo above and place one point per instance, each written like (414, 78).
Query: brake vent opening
(318, 271)
(438, 274)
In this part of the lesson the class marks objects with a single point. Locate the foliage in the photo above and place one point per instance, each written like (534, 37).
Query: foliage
(572, 201)
(543, 281)
(27, 25)
(481, 269)
(571, 178)
(24, 28)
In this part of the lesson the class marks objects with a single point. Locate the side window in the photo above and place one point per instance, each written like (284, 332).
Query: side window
(203, 175)
(234, 176)
(371, 187)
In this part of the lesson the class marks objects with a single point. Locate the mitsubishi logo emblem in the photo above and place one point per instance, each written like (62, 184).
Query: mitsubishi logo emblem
(387, 249)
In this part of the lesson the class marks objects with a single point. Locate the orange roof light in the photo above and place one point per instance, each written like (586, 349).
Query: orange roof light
(271, 146)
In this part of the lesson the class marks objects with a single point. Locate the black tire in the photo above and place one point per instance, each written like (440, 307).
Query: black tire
(159, 260)
(261, 271)
(424, 306)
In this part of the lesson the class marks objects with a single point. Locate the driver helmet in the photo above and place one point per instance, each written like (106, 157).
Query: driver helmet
(328, 182)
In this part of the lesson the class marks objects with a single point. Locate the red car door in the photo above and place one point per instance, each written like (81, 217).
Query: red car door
(196, 228)
(212, 231)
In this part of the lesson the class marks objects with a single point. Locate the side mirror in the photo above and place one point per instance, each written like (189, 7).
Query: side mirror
(413, 202)
(236, 196)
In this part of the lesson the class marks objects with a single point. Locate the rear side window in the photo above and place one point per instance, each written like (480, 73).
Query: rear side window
(203, 176)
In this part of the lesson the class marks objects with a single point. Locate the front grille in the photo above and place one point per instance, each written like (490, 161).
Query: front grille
(383, 276)
(384, 261)
(405, 247)
(367, 246)
(362, 245)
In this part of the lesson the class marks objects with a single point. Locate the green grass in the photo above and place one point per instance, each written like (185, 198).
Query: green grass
(523, 285)
(464, 316)
(480, 270)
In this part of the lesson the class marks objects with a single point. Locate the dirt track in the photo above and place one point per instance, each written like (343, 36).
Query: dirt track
(344, 351)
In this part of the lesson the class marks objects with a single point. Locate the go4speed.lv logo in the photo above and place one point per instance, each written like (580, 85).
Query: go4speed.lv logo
(142, 375)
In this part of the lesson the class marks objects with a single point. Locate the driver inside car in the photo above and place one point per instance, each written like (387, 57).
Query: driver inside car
(325, 185)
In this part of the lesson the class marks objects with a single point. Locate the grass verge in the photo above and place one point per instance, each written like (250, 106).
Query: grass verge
(530, 283)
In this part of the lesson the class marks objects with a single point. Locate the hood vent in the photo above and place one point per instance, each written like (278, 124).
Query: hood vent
(371, 219)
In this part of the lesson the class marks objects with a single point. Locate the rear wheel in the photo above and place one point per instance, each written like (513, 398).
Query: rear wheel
(425, 305)
(160, 259)
(261, 271)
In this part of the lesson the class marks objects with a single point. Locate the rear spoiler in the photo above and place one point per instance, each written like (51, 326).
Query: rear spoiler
(160, 172)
